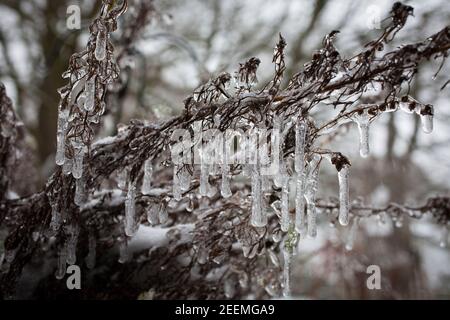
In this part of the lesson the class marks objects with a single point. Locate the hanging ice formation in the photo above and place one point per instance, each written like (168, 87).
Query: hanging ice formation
(258, 217)
(225, 189)
(310, 195)
(79, 152)
(63, 116)
(131, 224)
(61, 268)
(80, 191)
(362, 119)
(299, 166)
(89, 93)
(343, 195)
(71, 243)
(287, 272)
(285, 215)
(56, 217)
(100, 42)
(426, 112)
(147, 179)
(352, 234)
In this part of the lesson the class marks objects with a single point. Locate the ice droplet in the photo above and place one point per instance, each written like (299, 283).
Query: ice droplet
(427, 123)
(343, 195)
(131, 225)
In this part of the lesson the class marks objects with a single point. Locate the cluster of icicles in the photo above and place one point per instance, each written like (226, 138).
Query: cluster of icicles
(365, 115)
(304, 180)
(83, 95)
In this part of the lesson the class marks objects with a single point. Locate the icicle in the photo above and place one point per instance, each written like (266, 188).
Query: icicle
(122, 178)
(163, 215)
(71, 244)
(80, 191)
(286, 273)
(67, 166)
(363, 122)
(258, 217)
(89, 91)
(123, 252)
(300, 203)
(300, 133)
(61, 136)
(130, 210)
(184, 178)
(147, 179)
(273, 258)
(343, 195)
(229, 288)
(176, 184)
(352, 234)
(6, 259)
(61, 269)
(202, 255)
(444, 237)
(153, 214)
(90, 258)
(225, 189)
(100, 44)
(204, 183)
(310, 196)
(56, 218)
(427, 123)
(285, 216)
(77, 167)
